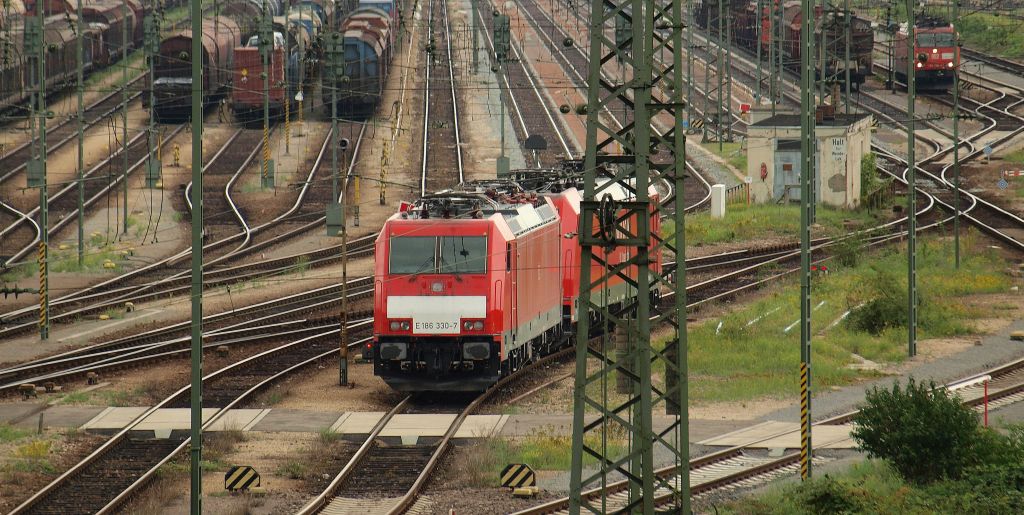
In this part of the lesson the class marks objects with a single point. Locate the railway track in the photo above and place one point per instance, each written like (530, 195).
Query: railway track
(403, 471)
(740, 467)
(533, 112)
(103, 480)
(167, 277)
(63, 204)
(575, 62)
(442, 142)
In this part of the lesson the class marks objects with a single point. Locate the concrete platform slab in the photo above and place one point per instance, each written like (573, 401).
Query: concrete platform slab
(419, 425)
(66, 416)
(776, 435)
(238, 419)
(171, 419)
(481, 426)
(357, 423)
(114, 418)
(290, 420)
(11, 413)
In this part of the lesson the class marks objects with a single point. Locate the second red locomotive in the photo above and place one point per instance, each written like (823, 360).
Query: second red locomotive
(936, 54)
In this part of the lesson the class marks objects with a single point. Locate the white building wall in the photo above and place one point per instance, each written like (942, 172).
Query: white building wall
(839, 171)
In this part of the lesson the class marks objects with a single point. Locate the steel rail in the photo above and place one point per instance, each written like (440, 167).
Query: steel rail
(128, 293)
(116, 181)
(574, 74)
(122, 434)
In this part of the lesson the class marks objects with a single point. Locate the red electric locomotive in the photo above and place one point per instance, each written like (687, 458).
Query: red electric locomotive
(472, 284)
(936, 55)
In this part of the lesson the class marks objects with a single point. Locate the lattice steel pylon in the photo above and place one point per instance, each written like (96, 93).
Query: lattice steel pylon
(620, 247)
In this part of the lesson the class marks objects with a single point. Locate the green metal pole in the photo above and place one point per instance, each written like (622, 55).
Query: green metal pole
(476, 42)
(196, 451)
(956, 140)
(892, 59)
(757, 33)
(124, 113)
(807, 144)
(780, 72)
(719, 61)
(44, 225)
(151, 44)
(728, 74)
(266, 42)
(911, 185)
(81, 139)
(681, 356)
(689, 64)
(846, 33)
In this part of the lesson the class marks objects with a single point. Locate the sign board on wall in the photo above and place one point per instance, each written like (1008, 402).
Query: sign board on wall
(838, 149)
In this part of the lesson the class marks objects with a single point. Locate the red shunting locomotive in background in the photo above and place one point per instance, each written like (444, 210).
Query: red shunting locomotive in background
(936, 54)
(473, 283)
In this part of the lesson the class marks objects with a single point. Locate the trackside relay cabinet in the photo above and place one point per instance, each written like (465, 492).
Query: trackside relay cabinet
(773, 157)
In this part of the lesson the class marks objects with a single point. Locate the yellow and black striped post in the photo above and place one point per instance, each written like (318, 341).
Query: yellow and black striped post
(241, 478)
(805, 422)
(518, 475)
(44, 297)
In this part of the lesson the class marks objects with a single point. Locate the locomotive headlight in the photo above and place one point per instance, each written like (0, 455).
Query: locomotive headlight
(478, 325)
(467, 325)
(949, 64)
(399, 325)
(935, 50)
(920, 65)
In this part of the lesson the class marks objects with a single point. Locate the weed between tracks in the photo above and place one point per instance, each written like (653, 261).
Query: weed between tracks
(479, 464)
(756, 349)
(764, 221)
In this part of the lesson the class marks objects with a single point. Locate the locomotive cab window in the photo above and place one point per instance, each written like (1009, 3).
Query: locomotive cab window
(463, 254)
(413, 255)
(935, 39)
(438, 255)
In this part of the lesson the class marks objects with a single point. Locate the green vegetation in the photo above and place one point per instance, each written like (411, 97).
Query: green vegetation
(992, 34)
(301, 264)
(734, 153)
(293, 470)
(924, 432)
(137, 396)
(481, 464)
(1015, 157)
(931, 454)
(30, 457)
(760, 221)
(753, 355)
(9, 433)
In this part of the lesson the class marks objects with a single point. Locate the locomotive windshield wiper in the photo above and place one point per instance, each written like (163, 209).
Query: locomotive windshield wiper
(421, 268)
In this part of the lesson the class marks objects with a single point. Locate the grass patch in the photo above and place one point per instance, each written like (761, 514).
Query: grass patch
(733, 153)
(23, 271)
(752, 355)
(1015, 157)
(480, 464)
(137, 396)
(9, 433)
(293, 470)
(758, 221)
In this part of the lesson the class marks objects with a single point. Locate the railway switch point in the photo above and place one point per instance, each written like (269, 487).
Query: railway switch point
(50, 386)
(104, 317)
(1017, 336)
